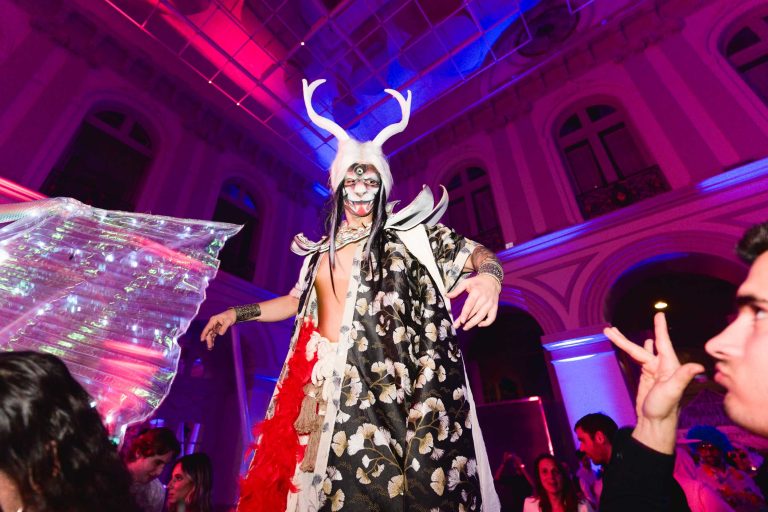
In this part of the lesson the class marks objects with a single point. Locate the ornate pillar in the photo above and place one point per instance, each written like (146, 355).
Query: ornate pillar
(584, 365)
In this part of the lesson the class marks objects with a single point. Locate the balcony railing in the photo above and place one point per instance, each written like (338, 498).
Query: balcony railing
(642, 185)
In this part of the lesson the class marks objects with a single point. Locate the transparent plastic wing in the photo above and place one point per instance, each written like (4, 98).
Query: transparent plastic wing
(108, 292)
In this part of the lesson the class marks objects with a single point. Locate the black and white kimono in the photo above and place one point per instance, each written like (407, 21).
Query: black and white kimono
(400, 431)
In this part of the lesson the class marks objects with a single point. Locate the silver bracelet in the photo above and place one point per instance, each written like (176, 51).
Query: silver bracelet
(247, 312)
(493, 269)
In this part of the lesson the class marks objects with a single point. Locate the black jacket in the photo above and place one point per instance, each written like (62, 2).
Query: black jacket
(639, 479)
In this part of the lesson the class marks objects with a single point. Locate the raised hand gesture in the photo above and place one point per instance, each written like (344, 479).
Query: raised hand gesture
(662, 383)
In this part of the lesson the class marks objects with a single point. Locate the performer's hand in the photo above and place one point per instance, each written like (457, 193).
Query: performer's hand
(482, 302)
(217, 326)
(662, 383)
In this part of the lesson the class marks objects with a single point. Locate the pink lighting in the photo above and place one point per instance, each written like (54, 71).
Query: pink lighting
(16, 192)
(175, 257)
(134, 350)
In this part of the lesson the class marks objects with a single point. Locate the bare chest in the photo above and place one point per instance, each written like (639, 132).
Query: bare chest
(337, 278)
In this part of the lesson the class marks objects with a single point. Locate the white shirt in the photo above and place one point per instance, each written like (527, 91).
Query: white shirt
(532, 505)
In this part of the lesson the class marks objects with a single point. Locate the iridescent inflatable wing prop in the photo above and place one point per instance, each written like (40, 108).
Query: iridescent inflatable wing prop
(107, 292)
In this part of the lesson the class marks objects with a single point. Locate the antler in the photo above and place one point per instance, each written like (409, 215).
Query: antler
(324, 123)
(393, 129)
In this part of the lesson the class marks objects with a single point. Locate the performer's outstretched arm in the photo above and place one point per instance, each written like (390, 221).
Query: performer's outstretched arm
(273, 310)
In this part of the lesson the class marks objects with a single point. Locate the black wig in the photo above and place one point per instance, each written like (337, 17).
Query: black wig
(374, 246)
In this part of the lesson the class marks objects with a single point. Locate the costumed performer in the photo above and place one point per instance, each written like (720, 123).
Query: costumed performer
(373, 410)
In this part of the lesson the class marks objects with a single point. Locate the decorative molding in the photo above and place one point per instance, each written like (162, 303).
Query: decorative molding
(617, 41)
(705, 219)
(76, 32)
(560, 278)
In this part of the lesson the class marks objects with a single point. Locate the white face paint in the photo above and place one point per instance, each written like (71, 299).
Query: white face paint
(361, 184)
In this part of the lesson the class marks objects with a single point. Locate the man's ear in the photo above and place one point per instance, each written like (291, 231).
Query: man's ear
(599, 437)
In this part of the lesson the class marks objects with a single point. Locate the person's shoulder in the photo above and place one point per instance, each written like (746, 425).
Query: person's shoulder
(303, 246)
(531, 504)
(156, 491)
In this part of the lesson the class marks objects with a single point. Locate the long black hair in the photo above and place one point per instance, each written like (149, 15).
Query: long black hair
(197, 467)
(53, 445)
(374, 247)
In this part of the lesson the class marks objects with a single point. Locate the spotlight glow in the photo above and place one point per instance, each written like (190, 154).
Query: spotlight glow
(660, 305)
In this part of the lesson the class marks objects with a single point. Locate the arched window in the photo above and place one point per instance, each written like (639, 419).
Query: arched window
(105, 163)
(607, 167)
(747, 51)
(236, 205)
(472, 211)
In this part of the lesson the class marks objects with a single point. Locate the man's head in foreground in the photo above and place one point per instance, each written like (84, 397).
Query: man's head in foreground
(594, 432)
(741, 350)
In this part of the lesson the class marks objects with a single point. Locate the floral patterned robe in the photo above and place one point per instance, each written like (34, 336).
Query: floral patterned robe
(397, 434)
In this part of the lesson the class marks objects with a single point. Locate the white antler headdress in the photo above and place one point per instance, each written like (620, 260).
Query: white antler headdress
(352, 151)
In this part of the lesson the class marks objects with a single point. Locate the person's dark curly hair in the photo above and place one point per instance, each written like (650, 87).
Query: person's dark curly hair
(153, 441)
(197, 466)
(753, 243)
(53, 445)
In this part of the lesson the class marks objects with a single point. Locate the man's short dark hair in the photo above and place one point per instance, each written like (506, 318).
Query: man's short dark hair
(597, 422)
(155, 441)
(753, 243)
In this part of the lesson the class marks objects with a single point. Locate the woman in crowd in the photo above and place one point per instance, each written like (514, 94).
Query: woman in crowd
(55, 453)
(554, 491)
(190, 487)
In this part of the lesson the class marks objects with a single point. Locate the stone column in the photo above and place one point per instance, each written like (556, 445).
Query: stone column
(589, 379)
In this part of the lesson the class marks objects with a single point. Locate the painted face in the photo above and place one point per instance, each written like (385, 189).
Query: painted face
(361, 184)
(551, 476)
(741, 351)
(740, 459)
(180, 487)
(145, 469)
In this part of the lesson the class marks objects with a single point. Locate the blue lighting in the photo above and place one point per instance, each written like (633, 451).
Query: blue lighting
(545, 241)
(457, 49)
(734, 176)
(583, 393)
(577, 342)
(321, 190)
(654, 260)
(572, 359)
(265, 377)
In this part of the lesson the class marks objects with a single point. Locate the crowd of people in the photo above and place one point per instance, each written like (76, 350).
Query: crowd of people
(711, 474)
(56, 455)
(647, 467)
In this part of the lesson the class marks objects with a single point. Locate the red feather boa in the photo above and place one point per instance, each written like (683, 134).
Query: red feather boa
(269, 479)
